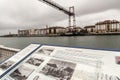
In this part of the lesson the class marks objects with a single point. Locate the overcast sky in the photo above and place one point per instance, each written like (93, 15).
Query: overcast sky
(25, 14)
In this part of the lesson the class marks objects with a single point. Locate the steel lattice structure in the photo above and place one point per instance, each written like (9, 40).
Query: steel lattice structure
(70, 12)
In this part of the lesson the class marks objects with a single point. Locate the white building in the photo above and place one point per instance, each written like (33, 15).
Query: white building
(107, 26)
(90, 29)
(56, 30)
(44, 31)
(23, 32)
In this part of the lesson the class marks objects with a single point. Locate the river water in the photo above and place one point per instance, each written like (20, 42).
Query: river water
(111, 42)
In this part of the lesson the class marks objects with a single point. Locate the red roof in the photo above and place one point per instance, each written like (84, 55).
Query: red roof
(91, 26)
(56, 27)
(51, 28)
(77, 28)
(107, 22)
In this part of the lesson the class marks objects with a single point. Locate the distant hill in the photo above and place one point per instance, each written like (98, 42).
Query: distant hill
(9, 35)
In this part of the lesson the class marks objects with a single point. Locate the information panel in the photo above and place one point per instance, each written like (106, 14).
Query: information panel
(44, 62)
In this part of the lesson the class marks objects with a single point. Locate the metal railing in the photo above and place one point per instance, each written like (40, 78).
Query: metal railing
(6, 52)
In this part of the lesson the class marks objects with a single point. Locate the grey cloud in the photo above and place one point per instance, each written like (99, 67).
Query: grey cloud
(23, 14)
(95, 6)
(27, 12)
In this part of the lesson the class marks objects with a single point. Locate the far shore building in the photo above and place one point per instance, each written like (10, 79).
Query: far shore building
(77, 29)
(41, 32)
(56, 30)
(50, 31)
(32, 32)
(90, 28)
(72, 29)
(69, 29)
(23, 32)
(107, 26)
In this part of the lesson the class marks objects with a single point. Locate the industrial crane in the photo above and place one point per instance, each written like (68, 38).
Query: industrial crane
(70, 12)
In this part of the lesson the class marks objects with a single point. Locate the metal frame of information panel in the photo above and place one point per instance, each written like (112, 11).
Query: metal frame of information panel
(12, 67)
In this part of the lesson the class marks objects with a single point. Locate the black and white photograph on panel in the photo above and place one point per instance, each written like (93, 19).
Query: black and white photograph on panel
(35, 61)
(58, 70)
(6, 65)
(46, 50)
(21, 73)
(117, 59)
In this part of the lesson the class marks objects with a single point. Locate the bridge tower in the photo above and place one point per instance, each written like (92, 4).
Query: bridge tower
(70, 12)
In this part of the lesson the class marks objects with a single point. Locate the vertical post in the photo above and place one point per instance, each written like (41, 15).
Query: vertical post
(70, 17)
(119, 26)
(111, 27)
(72, 20)
(69, 20)
(116, 27)
(46, 29)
